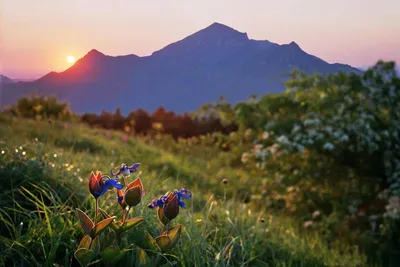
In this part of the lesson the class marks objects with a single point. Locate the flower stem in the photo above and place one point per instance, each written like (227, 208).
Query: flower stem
(96, 210)
(91, 241)
(224, 194)
(123, 213)
(126, 215)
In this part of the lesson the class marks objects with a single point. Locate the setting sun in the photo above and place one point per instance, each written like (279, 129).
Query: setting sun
(70, 59)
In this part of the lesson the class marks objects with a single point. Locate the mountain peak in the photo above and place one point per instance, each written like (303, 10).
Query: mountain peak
(218, 31)
(215, 35)
(294, 44)
(91, 56)
(217, 25)
(94, 54)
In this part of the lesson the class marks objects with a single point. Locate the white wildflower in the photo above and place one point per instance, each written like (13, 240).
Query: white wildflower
(296, 128)
(308, 224)
(265, 135)
(245, 157)
(393, 207)
(290, 188)
(316, 214)
(258, 148)
(273, 149)
(328, 146)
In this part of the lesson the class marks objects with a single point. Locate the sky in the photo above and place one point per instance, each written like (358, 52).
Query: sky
(36, 37)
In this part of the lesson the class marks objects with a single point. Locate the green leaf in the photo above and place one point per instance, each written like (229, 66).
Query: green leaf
(109, 239)
(150, 243)
(133, 222)
(141, 258)
(101, 226)
(174, 234)
(113, 225)
(85, 243)
(111, 254)
(84, 256)
(164, 242)
(104, 213)
(85, 221)
(164, 220)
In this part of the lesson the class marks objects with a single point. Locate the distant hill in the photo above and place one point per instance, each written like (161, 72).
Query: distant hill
(23, 80)
(5, 80)
(215, 61)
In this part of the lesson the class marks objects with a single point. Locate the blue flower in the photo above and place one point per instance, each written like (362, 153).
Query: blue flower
(158, 202)
(125, 170)
(97, 185)
(182, 194)
(161, 201)
(168, 205)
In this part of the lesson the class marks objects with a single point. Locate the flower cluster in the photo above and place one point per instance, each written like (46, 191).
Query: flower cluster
(128, 195)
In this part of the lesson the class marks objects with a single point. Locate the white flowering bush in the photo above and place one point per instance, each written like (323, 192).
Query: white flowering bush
(354, 118)
(335, 140)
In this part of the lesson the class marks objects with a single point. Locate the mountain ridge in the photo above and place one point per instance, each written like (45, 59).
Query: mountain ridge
(5, 80)
(214, 61)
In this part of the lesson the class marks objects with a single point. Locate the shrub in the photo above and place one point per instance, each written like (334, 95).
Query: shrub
(40, 108)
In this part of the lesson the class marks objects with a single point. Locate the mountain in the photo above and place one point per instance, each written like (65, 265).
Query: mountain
(5, 80)
(215, 61)
(23, 80)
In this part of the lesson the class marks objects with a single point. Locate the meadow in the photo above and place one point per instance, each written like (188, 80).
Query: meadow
(285, 189)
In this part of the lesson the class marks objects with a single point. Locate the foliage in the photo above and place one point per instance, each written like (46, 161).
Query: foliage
(327, 150)
(40, 108)
(333, 144)
(217, 229)
(161, 121)
(113, 245)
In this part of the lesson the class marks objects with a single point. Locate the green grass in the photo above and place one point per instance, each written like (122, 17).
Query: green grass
(44, 171)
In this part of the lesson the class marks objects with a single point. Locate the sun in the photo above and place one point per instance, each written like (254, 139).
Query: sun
(70, 59)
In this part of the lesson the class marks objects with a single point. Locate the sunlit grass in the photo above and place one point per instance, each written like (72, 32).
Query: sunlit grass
(44, 172)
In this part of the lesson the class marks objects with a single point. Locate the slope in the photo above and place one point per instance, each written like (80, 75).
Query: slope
(218, 230)
(5, 79)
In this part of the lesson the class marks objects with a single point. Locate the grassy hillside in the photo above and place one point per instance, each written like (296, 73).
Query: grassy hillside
(44, 170)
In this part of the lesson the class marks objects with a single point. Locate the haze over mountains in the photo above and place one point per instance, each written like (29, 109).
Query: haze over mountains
(5, 79)
(216, 61)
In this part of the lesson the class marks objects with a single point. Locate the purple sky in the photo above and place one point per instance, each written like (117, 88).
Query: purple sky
(37, 36)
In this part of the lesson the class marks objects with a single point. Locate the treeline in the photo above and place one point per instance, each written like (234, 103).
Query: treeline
(136, 122)
(161, 121)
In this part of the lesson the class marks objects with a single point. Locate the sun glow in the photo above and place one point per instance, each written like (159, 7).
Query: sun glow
(70, 59)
